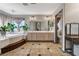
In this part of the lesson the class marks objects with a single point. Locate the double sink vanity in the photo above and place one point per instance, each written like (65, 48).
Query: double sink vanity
(40, 36)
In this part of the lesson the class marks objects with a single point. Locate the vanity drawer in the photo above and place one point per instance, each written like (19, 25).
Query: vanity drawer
(39, 36)
(45, 36)
(50, 36)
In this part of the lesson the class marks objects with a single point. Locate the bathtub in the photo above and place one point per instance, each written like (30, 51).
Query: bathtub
(11, 38)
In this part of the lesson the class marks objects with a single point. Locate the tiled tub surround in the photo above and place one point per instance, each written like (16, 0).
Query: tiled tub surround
(11, 38)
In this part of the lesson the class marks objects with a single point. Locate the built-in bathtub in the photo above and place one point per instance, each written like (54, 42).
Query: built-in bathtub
(11, 38)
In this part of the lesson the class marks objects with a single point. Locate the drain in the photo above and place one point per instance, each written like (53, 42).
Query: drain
(39, 54)
(28, 54)
(32, 44)
(38, 44)
(22, 48)
(48, 48)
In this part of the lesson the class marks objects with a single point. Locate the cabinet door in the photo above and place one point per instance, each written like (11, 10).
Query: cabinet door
(33, 36)
(41, 36)
(51, 36)
(45, 36)
(38, 36)
(29, 36)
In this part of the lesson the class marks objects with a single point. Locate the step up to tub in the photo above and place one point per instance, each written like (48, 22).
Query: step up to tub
(12, 46)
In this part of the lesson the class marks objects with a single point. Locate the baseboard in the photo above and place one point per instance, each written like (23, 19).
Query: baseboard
(40, 41)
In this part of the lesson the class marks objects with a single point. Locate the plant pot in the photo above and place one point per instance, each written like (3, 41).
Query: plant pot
(3, 33)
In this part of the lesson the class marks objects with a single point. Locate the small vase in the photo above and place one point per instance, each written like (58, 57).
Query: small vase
(3, 33)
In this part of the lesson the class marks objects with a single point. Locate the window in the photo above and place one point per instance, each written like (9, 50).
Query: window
(18, 23)
(22, 24)
(1, 21)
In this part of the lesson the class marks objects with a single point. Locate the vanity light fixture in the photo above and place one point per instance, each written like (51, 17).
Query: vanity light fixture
(27, 4)
(47, 17)
(32, 18)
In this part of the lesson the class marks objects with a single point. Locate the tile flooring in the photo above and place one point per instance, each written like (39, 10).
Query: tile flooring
(37, 49)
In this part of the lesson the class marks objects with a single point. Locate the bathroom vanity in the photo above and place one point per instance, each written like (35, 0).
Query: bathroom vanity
(40, 36)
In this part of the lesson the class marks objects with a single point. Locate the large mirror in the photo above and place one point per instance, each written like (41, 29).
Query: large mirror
(50, 24)
(45, 25)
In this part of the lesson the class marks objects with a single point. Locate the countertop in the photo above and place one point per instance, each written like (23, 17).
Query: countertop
(42, 31)
(12, 35)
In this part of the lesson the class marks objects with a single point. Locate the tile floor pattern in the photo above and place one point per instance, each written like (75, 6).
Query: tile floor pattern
(37, 49)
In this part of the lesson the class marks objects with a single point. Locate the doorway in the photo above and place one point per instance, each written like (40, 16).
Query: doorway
(59, 26)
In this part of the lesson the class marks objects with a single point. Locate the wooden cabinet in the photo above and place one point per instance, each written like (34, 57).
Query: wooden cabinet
(38, 36)
(45, 36)
(33, 36)
(51, 36)
(29, 36)
(41, 36)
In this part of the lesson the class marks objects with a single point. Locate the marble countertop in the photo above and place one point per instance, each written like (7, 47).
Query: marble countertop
(41, 31)
(12, 36)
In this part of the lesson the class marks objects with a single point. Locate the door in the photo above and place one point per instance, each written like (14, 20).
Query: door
(58, 26)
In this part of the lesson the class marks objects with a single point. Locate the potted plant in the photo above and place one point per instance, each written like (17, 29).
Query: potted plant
(3, 30)
(11, 27)
(24, 27)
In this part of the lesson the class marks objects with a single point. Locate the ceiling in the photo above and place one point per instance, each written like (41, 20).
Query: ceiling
(30, 9)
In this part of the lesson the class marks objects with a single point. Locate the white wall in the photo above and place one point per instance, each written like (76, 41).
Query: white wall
(1, 21)
(71, 12)
(4, 19)
(71, 16)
